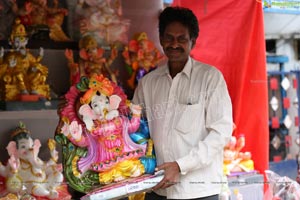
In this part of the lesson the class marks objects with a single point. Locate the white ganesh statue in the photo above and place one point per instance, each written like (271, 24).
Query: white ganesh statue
(25, 174)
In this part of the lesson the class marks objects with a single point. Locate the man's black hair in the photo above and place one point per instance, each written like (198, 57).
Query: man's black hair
(179, 14)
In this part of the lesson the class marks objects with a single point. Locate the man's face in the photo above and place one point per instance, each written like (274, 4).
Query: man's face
(176, 42)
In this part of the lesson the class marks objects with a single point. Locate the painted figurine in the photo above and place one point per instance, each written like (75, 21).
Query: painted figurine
(234, 159)
(141, 56)
(104, 139)
(36, 14)
(91, 60)
(26, 173)
(21, 73)
(103, 20)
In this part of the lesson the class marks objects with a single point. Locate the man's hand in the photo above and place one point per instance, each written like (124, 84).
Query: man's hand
(171, 175)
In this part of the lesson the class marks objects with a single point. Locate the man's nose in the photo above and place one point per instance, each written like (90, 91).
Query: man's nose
(174, 43)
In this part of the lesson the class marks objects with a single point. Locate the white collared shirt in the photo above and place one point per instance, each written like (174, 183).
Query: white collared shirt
(190, 121)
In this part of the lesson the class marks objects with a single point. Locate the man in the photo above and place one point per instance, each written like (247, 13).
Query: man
(189, 113)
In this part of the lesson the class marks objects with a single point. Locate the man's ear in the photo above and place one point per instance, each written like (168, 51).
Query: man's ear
(193, 42)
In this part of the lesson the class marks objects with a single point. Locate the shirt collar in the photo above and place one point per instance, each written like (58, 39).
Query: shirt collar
(164, 70)
(186, 70)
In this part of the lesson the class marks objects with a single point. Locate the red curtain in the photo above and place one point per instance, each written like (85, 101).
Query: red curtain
(232, 39)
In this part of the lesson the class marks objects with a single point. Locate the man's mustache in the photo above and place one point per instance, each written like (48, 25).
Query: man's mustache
(175, 49)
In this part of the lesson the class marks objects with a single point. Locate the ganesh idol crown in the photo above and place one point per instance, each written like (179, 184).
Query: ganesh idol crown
(105, 140)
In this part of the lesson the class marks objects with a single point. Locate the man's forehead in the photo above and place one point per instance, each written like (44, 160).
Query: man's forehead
(176, 27)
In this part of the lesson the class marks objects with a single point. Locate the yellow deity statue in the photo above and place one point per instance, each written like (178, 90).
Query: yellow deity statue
(22, 76)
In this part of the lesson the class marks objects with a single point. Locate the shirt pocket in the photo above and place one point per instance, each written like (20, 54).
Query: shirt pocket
(189, 117)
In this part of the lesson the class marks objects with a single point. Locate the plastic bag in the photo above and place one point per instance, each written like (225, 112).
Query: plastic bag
(281, 188)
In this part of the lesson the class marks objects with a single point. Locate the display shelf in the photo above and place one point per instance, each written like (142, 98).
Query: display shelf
(47, 44)
(125, 188)
(251, 186)
(28, 114)
(31, 105)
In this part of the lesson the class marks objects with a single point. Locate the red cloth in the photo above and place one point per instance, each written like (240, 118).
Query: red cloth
(232, 39)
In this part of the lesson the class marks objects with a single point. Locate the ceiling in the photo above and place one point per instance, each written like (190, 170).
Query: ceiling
(281, 25)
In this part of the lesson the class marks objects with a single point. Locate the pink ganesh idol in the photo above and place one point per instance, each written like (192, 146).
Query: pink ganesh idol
(101, 135)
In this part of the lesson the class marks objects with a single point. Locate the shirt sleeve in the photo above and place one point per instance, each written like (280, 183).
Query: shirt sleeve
(219, 124)
(138, 97)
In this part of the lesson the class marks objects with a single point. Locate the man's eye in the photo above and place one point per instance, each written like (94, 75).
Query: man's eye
(182, 40)
(168, 39)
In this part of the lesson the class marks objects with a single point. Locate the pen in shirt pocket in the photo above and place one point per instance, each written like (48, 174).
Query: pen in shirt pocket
(190, 100)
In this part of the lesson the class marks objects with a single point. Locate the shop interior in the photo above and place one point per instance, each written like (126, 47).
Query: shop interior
(255, 44)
